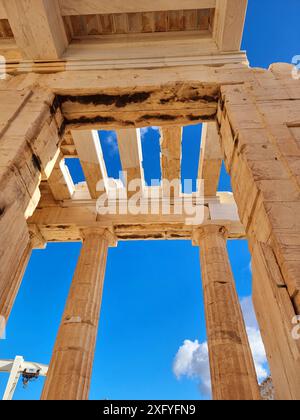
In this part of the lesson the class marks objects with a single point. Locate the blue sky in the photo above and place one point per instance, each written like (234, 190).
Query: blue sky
(152, 298)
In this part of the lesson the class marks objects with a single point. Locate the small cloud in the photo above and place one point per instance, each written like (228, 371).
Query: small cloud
(248, 312)
(192, 361)
(147, 130)
(111, 140)
(255, 340)
(258, 352)
(250, 267)
(192, 358)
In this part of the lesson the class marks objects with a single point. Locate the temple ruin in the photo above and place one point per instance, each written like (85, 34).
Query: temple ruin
(70, 68)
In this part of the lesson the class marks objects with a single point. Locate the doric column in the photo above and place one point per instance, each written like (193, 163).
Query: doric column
(29, 143)
(27, 241)
(71, 365)
(11, 288)
(14, 240)
(231, 364)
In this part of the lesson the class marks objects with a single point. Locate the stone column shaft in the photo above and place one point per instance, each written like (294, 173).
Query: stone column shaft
(10, 291)
(232, 369)
(14, 256)
(71, 365)
(29, 141)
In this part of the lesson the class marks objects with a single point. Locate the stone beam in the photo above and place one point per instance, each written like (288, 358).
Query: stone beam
(73, 7)
(38, 28)
(210, 162)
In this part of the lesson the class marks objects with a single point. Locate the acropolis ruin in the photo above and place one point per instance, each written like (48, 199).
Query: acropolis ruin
(72, 67)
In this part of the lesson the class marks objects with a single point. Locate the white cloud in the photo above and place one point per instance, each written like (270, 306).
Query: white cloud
(111, 140)
(146, 130)
(192, 358)
(250, 267)
(192, 361)
(255, 340)
(259, 354)
(248, 312)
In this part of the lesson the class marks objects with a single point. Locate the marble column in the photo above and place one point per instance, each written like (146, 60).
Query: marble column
(231, 364)
(70, 369)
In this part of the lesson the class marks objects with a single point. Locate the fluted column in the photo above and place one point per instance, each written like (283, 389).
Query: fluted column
(27, 241)
(231, 364)
(71, 364)
(10, 291)
(15, 251)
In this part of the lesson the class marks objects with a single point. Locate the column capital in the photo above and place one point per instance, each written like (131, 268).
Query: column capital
(207, 231)
(101, 232)
(37, 240)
